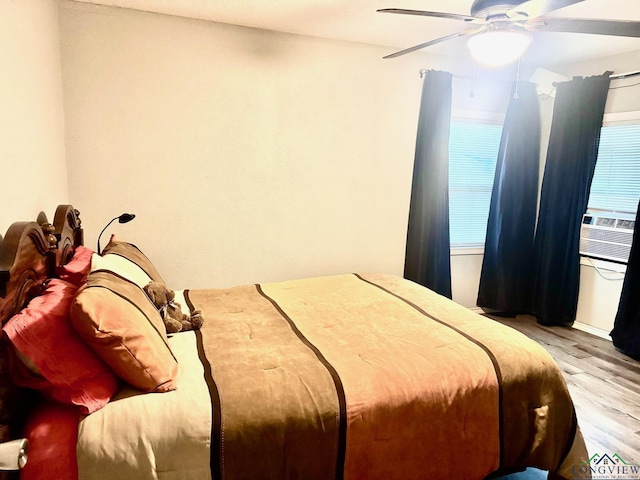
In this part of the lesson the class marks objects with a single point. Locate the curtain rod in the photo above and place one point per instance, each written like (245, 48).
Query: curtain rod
(620, 76)
(424, 71)
(617, 76)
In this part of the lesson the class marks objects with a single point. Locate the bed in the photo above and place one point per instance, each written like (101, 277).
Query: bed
(354, 376)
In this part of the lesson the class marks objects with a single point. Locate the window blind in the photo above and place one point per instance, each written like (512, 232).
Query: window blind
(616, 181)
(473, 151)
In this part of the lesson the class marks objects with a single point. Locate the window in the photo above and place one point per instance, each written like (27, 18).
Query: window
(473, 150)
(616, 181)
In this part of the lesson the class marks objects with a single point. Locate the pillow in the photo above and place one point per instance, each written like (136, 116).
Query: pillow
(117, 319)
(77, 269)
(63, 367)
(133, 254)
(120, 266)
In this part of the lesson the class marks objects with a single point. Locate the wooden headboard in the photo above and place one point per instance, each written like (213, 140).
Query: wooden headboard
(29, 255)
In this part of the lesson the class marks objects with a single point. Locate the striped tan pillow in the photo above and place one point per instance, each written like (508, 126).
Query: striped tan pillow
(132, 253)
(117, 319)
(120, 266)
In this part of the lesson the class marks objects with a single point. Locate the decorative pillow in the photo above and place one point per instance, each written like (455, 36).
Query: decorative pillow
(133, 254)
(55, 360)
(77, 269)
(120, 266)
(116, 318)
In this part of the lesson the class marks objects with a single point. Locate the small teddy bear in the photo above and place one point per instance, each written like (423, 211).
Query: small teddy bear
(170, 311)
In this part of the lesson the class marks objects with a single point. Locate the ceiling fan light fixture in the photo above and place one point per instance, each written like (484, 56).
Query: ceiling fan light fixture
(498, 47)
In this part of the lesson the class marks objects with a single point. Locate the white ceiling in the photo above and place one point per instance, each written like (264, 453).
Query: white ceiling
(358, 21)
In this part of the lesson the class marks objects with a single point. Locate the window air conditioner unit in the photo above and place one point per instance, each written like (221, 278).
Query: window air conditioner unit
(607, 236)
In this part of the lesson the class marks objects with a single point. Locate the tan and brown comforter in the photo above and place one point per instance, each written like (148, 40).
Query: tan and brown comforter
(351, 376)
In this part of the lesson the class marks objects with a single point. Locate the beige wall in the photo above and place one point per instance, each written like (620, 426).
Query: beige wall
(246, 155)
(32, 153)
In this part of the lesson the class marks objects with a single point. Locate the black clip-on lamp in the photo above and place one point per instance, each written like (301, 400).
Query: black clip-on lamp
(124, 218)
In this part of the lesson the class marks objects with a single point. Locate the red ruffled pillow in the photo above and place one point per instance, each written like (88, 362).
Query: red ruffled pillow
(77, 269)
(61, 365)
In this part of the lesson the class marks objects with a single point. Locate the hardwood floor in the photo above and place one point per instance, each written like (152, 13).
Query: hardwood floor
(604, 385)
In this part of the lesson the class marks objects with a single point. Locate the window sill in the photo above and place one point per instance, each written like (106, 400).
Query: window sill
(460, 251)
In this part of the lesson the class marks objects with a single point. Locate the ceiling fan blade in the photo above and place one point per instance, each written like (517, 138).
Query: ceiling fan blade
(423, 13)
(433, 42)
(535, 8)
(619, 28)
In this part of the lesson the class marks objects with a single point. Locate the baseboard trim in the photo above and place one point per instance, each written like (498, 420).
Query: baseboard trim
(598, 332)
(583, 327)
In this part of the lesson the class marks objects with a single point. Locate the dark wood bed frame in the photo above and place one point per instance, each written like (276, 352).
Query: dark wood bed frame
(30, 252)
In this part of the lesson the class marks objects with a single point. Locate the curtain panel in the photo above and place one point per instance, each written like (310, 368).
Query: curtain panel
(626, 328)
(507, 272)
(427, 259)
(571, 159)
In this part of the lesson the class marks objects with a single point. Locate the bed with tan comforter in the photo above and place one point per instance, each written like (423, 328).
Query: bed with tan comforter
(350, 376)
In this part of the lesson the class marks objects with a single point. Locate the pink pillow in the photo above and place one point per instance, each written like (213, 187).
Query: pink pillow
(67, 370)
(77, 269)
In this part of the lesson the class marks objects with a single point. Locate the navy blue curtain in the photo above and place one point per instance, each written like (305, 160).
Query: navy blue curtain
(507, 271)
(427, 259)
(571, 160)
(626, 328)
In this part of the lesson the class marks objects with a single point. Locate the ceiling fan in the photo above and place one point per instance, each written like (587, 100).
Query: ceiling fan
(500, 24)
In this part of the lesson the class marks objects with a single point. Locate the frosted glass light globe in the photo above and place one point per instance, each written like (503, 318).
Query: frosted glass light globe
(499, 47)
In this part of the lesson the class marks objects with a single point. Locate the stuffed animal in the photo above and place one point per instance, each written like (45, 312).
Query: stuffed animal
(170, 311)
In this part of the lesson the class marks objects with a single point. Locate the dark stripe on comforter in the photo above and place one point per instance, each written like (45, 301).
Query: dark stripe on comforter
(342, 432)
(489, 353)
(278, 408)
(415, 390)
(538, 424)
(215, 400)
